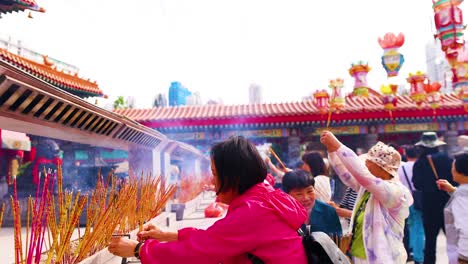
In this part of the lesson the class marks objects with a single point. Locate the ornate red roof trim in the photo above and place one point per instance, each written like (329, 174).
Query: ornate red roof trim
(356, 108)
(47, 73)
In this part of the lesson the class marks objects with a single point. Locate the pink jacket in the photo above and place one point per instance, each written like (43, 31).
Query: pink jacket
(262, 221)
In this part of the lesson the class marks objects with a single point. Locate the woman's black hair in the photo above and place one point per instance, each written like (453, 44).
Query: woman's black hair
(238, 165)
(315, 161)
(461, 163)
(297, 179)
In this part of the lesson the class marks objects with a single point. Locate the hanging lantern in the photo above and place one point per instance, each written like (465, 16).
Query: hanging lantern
(433, 94)
(449, 24)
(417, 82)
(321, 101)
(460, 69)
(337, 101)
(389, 99)
(359, 71)
(392, 60)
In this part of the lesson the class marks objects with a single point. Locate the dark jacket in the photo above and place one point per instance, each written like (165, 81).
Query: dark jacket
(425, 180)
(423, 176)
(323, 218)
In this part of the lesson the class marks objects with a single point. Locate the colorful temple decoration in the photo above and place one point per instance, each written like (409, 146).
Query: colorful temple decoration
(359, 71)
(322, 101)
(10, 6)
(417, 92)
(47, 72)
(462, 93)
(337, 100)
(449, 24)
(392, 59)
(461, 76)
(433, 94)
(389, 98)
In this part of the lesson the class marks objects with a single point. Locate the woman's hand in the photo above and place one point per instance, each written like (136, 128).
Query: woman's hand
(444, 185)
(122, 247)
(150, 231)
(330, 141)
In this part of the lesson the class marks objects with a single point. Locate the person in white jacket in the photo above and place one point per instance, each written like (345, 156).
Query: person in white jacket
(383, 202)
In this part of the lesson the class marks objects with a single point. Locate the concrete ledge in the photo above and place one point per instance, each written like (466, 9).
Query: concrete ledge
(165, 219)
(192, 206)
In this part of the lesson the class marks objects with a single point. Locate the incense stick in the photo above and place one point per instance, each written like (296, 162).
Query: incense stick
(277, 158)
(1, 215)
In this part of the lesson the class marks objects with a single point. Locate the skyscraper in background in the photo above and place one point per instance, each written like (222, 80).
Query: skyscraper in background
(178, 94)
(438, 69)
(255, 94)
(160, 100)
(194, 99)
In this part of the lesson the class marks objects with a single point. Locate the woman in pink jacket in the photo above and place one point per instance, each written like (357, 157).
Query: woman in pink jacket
(260, 221)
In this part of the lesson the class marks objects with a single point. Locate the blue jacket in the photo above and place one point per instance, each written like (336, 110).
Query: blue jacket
(323, 218)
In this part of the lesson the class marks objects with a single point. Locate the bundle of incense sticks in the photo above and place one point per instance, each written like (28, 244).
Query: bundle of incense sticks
(342, 241)
(37, 215)
(52, 220)
(70, 208)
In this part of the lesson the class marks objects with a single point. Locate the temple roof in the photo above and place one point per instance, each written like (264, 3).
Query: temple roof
(48, 73)
(368, 109)
(10, 6)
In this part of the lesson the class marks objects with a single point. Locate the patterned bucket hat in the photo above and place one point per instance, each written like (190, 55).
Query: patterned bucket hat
(385, 157)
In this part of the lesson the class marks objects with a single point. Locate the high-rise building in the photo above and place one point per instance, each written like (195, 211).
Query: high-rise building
(194, 99)
(438, 68)
(178, 94)
(160, 100)
(131, 101)
(255, 94)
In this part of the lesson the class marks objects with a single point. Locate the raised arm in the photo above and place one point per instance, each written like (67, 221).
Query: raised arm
(343, 172)
(388, 193)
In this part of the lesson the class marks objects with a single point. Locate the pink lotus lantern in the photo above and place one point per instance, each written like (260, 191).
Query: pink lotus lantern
(359, 71)
(417, 82)
(392, 60)
(321, 101)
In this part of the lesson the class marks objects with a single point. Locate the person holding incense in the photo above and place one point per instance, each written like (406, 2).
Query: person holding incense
(261, 222)
(314, 163)
(456, 219)
(382, 203)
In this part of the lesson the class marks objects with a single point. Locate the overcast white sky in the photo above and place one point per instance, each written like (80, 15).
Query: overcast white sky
(218, 47)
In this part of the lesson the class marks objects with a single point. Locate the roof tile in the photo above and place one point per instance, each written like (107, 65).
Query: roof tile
(51, 75)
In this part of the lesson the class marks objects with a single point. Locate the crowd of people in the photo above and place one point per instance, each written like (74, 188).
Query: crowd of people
(396, 202)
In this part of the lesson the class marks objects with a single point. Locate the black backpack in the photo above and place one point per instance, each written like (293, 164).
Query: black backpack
(319, 248)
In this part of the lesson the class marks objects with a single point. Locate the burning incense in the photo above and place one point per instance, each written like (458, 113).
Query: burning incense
(1, 215)
(277, 158)
(329, 118)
